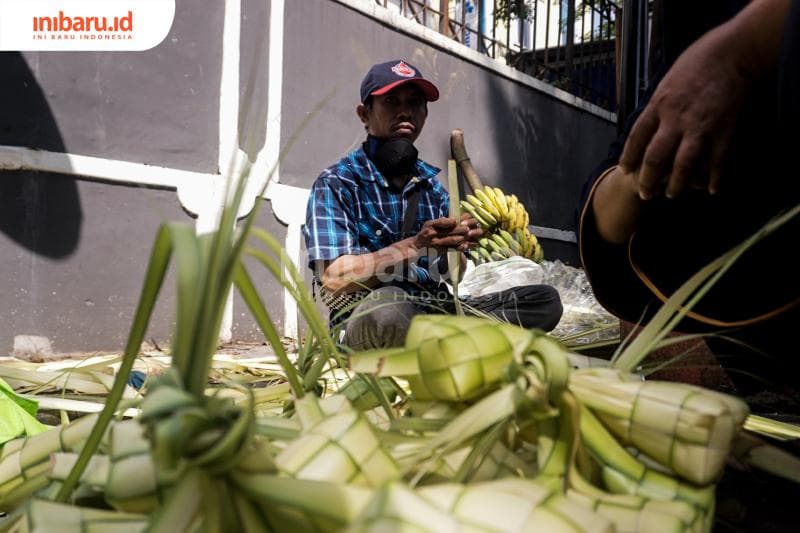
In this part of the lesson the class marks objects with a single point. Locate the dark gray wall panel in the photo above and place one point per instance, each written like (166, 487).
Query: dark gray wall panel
(253, 69)
(160, 106)
(74, 265)
(566, 252)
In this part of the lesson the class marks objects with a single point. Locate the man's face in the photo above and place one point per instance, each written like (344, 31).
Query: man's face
(399, 113)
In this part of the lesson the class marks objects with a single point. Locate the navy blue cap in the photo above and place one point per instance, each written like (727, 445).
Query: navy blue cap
(384, 77)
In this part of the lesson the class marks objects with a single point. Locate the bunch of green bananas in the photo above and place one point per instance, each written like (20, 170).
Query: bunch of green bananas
(504, 221)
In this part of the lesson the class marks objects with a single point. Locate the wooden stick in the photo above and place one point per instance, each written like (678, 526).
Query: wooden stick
(459, 153)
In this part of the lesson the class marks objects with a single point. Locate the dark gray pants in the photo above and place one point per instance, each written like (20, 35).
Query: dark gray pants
(382, 319)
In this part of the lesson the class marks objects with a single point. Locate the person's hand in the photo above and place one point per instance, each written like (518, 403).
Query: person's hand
(475, 232)
(445, 232)
(682, 136)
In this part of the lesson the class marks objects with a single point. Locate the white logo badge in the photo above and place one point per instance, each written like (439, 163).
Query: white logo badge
(97, 25)
(401, 69)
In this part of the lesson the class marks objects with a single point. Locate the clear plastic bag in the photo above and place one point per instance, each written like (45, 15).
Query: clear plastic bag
(500, 275)
(584, 319)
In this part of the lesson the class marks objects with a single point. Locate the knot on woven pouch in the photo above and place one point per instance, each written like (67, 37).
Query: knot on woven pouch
(185, 431)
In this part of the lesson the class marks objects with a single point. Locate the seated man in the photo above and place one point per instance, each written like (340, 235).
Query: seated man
(377, 226)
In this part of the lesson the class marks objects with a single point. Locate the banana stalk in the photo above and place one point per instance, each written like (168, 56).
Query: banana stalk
(459, 153)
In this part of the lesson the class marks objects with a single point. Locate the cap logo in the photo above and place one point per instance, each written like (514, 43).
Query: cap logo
(401, 69)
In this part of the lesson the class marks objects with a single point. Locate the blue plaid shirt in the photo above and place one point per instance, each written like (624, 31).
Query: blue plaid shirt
(351, 211)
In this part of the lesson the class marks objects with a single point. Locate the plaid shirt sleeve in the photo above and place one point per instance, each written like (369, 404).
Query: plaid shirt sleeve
(444, 199)
(330, 229)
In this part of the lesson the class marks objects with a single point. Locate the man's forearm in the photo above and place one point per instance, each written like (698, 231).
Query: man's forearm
(349, 273)
(759, 29)
(616, 205)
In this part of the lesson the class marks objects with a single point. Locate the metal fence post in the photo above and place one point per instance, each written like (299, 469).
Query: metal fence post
(628, 62)
(569, 43)
(444, 17)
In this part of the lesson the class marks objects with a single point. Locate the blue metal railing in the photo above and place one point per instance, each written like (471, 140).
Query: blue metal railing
(571, 44)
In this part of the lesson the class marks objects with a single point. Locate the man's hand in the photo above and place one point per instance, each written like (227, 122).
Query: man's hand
(443, 233)
(681, 138)
(685, 130)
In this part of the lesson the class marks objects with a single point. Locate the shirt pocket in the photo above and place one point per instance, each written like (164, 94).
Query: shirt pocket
(374, 234)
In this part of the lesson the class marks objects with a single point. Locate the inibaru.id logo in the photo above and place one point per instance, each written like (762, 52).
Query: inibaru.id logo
(100, 25)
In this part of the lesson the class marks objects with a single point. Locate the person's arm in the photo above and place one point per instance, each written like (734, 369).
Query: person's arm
(616, 205)
(350, 272)
(685, 130)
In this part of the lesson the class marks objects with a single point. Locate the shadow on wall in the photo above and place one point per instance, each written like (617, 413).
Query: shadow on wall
(534, 162)
(39, 211)
(547, 149)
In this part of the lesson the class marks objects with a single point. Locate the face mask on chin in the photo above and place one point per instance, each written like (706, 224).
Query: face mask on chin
(395, 156)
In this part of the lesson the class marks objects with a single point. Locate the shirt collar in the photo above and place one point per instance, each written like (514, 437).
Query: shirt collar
(367, 171)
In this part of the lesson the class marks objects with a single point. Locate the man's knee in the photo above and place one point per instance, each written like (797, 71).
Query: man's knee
(381, 320)
(532, 306)
(385, 304)
(552, 308)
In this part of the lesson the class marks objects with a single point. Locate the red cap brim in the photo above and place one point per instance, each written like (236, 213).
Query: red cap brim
(430, 90)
